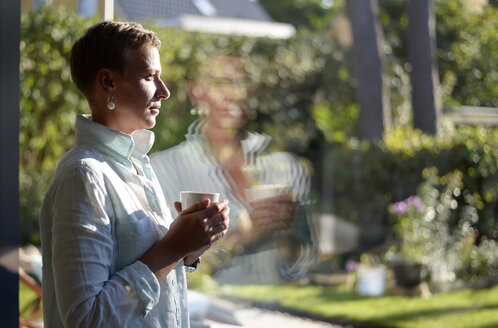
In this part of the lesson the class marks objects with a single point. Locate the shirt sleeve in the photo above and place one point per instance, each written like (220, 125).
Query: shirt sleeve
(82, 246)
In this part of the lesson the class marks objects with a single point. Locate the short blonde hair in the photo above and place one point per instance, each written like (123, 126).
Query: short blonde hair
(105, 45)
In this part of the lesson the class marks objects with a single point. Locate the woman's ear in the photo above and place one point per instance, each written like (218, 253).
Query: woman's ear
(193, 92)
(106, 80)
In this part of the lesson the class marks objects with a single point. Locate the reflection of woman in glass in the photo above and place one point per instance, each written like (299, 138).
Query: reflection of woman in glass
(220, 155)
(112, 255)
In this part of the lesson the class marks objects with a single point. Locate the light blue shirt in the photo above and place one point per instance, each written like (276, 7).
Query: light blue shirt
(98, 218)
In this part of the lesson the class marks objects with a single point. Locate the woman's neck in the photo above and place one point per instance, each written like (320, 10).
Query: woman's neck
(219, 138)
(226, 148)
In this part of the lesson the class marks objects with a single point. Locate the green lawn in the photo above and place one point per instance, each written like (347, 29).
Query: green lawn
(26, 296)
(465, 308)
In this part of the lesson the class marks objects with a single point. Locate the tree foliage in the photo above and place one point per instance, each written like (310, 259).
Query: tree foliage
(466, 45)
(48, 102)
(467, 54)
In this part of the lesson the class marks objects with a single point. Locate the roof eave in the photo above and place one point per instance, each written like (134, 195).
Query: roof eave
(231, 26)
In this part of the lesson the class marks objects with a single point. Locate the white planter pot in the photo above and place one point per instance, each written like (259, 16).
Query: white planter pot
(371, 280)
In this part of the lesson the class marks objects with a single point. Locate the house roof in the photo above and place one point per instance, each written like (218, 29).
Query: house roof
(169, 9)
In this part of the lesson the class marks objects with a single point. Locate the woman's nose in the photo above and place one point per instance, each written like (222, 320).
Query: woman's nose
(162, 91)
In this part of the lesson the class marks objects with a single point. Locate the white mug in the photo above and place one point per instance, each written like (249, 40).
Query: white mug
(189, 198)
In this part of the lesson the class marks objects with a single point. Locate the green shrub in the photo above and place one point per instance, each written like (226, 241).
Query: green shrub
(440, 229)
(366, 177)
(48, 103)
(451, 227)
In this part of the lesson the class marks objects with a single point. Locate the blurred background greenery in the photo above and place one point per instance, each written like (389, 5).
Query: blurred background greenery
(305, 98)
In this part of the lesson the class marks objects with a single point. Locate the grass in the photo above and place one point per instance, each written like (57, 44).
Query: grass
(461, 309)
(26, 296)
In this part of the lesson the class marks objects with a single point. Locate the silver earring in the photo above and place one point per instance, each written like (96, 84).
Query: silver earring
(200, 110)
(203, 110)
(110, 103)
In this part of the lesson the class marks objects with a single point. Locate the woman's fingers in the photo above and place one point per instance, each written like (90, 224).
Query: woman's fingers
(271, 201)
(212, 210)
(205, 203)
(178, 207)
(217, 233)
(219, 218)
(280, 213)
(215, 219)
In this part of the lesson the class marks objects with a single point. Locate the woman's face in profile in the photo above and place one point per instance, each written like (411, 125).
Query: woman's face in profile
(139, 90)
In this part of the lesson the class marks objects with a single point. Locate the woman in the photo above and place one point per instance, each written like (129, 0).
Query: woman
(112, 255)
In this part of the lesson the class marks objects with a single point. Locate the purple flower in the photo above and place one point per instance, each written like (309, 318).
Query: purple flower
(403, 206)
(415, 202)
(400, 208)
(351, 265)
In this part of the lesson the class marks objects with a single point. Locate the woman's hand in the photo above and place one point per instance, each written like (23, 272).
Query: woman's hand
(266, 215)
(197, 227)
(191, 233)
(210, 226)
(271, 213)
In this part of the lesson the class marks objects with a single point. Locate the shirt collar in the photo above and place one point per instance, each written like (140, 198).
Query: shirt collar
(110, 141)
(252, 145)
(143, 140)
